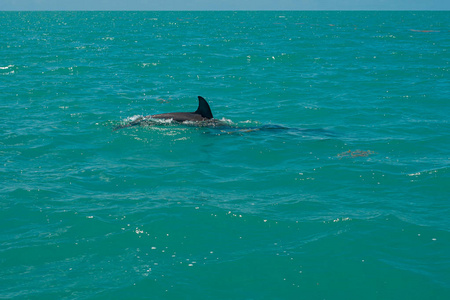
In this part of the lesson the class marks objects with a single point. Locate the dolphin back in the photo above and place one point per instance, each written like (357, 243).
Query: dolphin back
(203, 108)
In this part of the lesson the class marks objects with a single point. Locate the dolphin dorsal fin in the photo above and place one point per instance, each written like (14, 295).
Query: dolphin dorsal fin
(203, 108)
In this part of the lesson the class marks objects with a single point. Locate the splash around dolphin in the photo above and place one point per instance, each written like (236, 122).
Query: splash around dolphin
(203, 114)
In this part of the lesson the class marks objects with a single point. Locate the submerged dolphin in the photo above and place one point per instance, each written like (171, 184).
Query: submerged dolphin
(203, 113)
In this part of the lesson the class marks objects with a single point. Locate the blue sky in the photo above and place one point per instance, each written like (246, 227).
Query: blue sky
(224, 5)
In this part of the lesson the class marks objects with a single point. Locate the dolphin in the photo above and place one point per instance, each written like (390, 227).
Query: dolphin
(203, 117)
(203, 113)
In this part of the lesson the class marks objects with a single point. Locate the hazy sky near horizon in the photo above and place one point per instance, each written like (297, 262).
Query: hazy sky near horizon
(224, 5)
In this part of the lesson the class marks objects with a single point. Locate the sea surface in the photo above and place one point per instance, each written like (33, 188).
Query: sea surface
(330, 178)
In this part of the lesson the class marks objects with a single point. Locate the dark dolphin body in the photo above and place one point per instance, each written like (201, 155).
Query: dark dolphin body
(203, 113)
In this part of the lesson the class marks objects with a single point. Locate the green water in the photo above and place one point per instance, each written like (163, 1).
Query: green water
(330, 180)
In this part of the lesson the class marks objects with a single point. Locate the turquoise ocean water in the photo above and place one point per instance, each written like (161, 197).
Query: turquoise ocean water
(331, 179)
